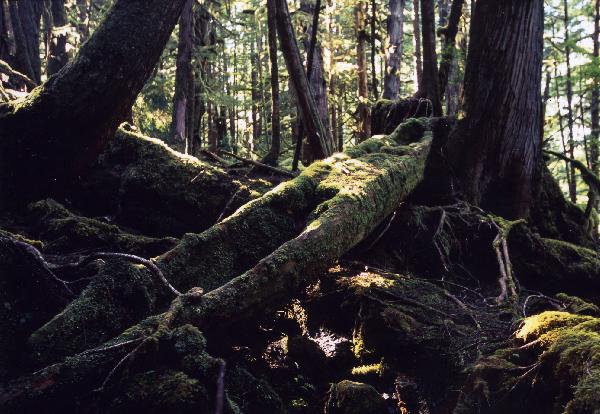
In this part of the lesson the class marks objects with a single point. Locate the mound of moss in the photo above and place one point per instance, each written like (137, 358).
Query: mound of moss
(553, 367)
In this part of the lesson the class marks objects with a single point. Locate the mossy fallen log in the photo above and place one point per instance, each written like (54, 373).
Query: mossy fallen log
(64, 232)
(314, 219)
(159, 192)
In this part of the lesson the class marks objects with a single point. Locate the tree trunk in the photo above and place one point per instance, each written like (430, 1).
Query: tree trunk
(364, 116)
(418, 54)
(372, 41)
(431, 89)
(316, 74)
(83, 25)
(310, 115)
(497, 159)
(255, 93)
(58, 56)
(595, 104)
(183, 98)
(449, 44)
(570, 118)
(51, 138)
(273, 154)
(393, 55)
(25, 18)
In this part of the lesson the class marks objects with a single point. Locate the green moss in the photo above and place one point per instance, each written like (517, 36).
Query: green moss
(347, 397)
(566, 352)
(65, 232)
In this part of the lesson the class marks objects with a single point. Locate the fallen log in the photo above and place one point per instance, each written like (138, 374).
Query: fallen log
(338, 202)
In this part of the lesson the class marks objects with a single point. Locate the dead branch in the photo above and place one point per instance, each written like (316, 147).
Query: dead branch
(260, 164)
(18, 76)
(131, 258)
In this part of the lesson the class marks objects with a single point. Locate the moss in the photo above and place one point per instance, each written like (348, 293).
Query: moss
(563, 353)
(577, 305)
(366, 370)
(65, 232)
(159, 191)
(347, 397)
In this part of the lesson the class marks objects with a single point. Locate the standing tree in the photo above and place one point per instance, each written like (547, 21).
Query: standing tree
(417, 39)
(431, 89)
(364, 115)
(308, 108)
(57, 48)
(49, 139)
(495, 151)
(273, 153)
(182, 125)
(393, 55)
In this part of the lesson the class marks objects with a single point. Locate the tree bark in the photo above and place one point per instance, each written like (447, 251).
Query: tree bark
(497, 159)
(273, 154)
(183, 98)
(58, 56)
(25, 18)
(364, 115)
(310, 115)
(570, 118)
(595, 104)
(418, 54)
(431, 89)
(449, 44)
(372, 41)
(316, 75)
(51, 138)
(393, 55)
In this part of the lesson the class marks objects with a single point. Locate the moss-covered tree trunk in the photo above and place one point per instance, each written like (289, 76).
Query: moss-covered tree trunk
(49, 139)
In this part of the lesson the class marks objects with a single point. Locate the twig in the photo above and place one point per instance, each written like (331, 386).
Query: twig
(129, 257)
(116, 367)
(7, 70)
(214, 156)
(39, 257)
(259, 164)
(387, 227)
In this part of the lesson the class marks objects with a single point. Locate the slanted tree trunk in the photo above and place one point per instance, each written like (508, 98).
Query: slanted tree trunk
(273, 154)
(431, 89)
(393, 55)
(51, 138)
(497, 159)
(310, 115)
(58, 56)
(183, 98)
(364, 115)
(316, 74)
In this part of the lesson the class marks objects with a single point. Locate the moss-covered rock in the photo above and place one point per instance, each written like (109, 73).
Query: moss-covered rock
(158, 191)
(29, 297)
(554, 367)
(386, 115)
(348, 397)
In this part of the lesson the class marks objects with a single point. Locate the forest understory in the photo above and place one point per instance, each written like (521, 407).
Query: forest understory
(338, 290)
(431, 264)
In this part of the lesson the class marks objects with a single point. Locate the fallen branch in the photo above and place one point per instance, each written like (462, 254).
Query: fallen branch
(18, 76)
(259, 164)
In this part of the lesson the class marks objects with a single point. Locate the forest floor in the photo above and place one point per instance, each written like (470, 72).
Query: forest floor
(336, 291)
